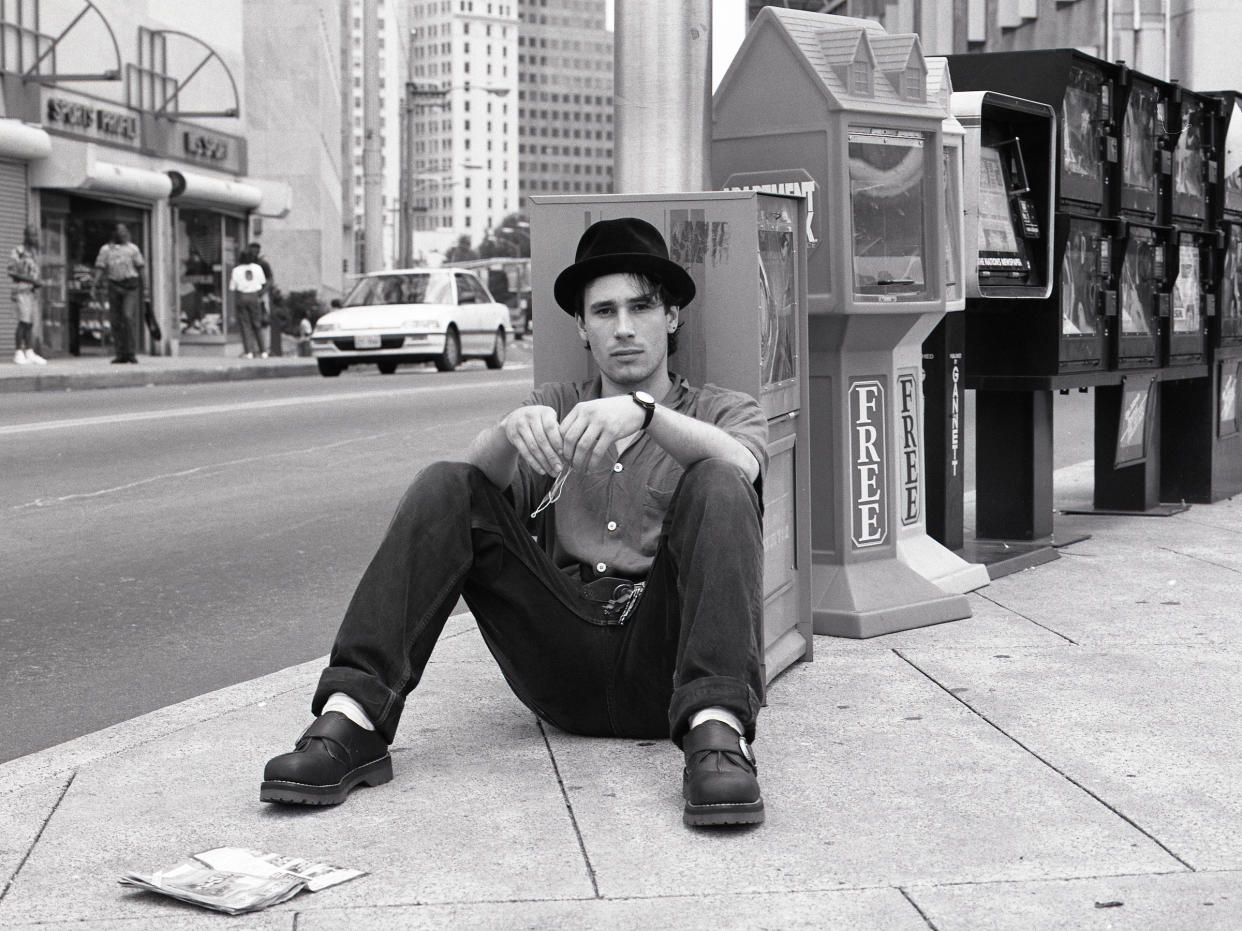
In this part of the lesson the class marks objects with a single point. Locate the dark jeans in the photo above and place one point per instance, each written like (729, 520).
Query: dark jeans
(693, 641)
(249, 309)
(123, 306)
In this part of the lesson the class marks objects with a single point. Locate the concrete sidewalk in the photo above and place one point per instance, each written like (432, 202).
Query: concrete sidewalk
(1066, 758)
(89, 372)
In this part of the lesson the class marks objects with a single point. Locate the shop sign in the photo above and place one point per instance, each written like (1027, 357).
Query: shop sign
(88, 118)
(955, 412)
(868, 476)
(908, 397)
(796, 181)
(205, 147)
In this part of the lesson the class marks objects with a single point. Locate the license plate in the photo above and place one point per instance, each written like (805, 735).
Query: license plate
(367, 341)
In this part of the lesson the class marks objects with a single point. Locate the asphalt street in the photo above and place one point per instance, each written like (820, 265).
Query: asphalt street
(158, 543)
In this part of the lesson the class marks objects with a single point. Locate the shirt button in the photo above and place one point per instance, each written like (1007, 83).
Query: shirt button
(617, 467)
(612, 525)
(601, 567)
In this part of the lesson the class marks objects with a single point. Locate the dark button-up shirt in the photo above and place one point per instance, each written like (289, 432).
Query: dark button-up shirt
(610, 520)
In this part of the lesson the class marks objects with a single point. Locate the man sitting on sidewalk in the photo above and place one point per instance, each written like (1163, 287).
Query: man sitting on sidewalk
(605, 535)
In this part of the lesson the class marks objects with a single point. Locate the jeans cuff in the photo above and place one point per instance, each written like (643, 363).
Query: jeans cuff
(382, 705)
(707, 692)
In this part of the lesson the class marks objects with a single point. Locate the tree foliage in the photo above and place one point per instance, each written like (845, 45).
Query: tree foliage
(461, 251)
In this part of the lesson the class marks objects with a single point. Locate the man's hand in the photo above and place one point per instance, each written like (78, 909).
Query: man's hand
(591, 428)
(533, 431)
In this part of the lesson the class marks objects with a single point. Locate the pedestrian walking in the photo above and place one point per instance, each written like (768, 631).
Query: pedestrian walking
(246, 283)
(606, 536)
(24, 271)
(120, 262)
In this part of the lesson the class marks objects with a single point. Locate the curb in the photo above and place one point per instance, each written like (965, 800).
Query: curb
(141, 377)
(42, 765)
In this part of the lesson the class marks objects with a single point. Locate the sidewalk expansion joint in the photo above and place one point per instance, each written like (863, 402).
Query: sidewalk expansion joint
(1030, 620)
(1218, 565)
(35, 842)
(569, 807)
(915, 905)
(1060, 772)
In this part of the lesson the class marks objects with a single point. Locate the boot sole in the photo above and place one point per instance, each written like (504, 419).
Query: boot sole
(727, 813)
(375, 773)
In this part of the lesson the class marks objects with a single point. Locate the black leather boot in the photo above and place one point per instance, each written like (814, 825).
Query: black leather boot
(720, 783)
(331, 757)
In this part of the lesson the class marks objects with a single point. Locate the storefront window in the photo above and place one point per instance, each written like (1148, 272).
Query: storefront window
(887, 169)
(207, 246)
(74, 229)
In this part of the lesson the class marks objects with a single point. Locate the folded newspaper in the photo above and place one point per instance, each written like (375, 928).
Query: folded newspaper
(236, 880)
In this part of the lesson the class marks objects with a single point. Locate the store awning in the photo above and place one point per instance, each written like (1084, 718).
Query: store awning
(187, 185)
(139, 183)
(21, 140)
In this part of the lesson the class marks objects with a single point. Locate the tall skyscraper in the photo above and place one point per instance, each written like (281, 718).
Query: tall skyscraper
(565, 55)
(464, 124)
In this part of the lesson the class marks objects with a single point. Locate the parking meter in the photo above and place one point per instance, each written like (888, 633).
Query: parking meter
(848, 104)
(744, 330)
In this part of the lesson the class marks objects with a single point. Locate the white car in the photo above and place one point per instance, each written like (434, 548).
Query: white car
(440, 315)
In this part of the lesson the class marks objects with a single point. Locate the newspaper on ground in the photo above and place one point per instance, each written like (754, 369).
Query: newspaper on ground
(237, 880)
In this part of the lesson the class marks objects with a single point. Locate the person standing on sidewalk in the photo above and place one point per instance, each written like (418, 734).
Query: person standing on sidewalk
(24, 271)
(247, 283)
(267, 311)
(607, 537)
(122, 264)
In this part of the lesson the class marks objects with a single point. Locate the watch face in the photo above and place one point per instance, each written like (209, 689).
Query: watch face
(643, 397)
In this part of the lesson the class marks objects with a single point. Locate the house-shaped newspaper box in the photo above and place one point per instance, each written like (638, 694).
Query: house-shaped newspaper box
(838, 110)
(844, 101)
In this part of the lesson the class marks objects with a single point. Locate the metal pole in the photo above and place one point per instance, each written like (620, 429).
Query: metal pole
(407, 173)
(662, 96)
(372, 157)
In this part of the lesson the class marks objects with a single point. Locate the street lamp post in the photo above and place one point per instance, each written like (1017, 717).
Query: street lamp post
(419, 95)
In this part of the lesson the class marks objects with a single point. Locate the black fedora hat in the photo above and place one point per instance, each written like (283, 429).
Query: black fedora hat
(618, 246)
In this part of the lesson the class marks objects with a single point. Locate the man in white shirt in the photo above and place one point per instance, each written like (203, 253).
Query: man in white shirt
(247, 283)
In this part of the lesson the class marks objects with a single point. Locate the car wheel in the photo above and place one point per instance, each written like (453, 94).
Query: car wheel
(451, 357)
(329, 368)
(387, 366)
(497, 359)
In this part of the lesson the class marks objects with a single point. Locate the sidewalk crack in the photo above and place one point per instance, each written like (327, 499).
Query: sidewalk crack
(34, 843)
(1029, 620)
(915, 905)
(1207, 562)
(569, 806)
(1060, 772)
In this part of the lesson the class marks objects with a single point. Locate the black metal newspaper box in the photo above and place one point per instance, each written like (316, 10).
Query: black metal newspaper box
(1063, 337)
(1081, 90)
(745, 330)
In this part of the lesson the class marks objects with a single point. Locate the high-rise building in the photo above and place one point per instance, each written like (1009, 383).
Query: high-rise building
(463, 120)
(565, 56)
(1168, 39)
(390, 60)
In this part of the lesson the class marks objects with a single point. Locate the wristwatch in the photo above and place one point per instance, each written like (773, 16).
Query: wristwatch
(647, 403)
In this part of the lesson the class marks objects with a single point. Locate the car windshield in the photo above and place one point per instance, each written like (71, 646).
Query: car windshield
(417, 288)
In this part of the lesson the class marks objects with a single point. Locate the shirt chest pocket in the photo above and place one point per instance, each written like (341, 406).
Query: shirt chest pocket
(658, 492)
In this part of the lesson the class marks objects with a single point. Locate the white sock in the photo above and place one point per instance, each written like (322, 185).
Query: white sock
(723, 715)
(339, 701)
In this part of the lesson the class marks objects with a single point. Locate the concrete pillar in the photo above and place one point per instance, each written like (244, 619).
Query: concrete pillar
(662, 96)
